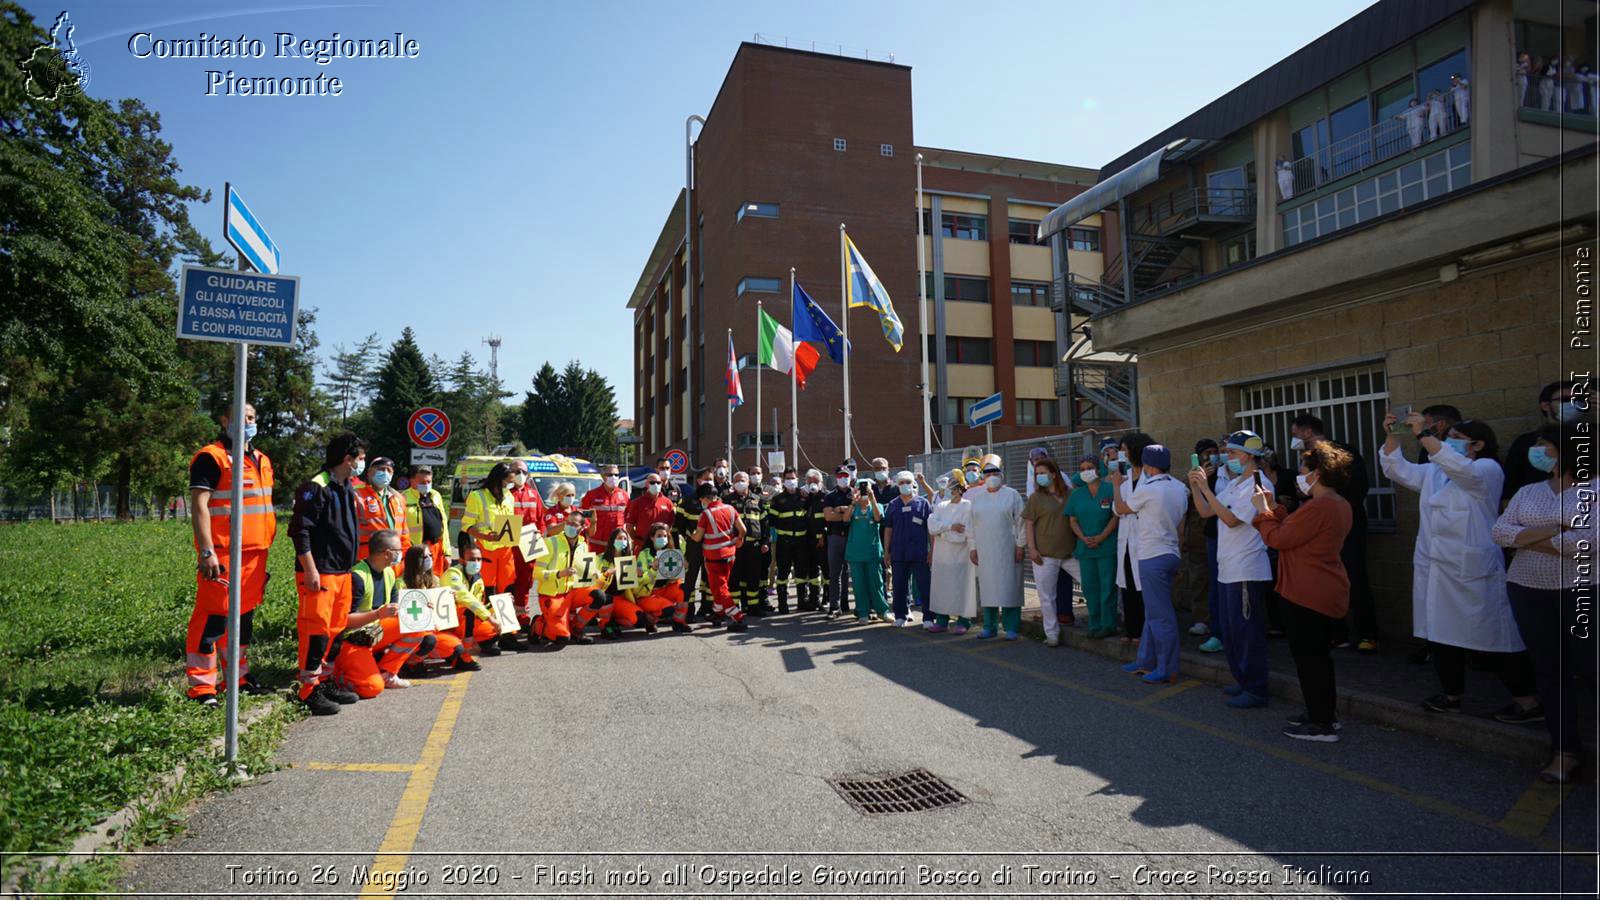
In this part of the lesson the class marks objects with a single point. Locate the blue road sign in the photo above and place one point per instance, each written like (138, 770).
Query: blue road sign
(237, 307)
(247, 235)
(987, 410)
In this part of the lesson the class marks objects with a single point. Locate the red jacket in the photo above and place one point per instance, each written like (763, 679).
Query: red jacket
(645, 510)
(529, 503)
(610, 507)
(721, 540)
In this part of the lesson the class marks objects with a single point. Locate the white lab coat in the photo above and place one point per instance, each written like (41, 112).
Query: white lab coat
(953, 589)
(1458, 586)
(1128, 543)
(996, 533)
(1285, 180)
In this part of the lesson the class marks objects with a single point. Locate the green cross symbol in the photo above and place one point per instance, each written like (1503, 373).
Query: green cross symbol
(414, 609)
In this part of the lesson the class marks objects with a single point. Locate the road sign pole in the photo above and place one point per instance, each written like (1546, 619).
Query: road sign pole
(230, 738)
(988, 438)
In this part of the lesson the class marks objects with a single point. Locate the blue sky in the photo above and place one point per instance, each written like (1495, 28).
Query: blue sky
(512, 178)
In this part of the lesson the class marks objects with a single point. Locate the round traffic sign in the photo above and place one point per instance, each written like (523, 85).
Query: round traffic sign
(678, 460)
(428, 427)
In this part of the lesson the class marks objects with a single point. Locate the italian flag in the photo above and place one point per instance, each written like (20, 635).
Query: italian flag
(780, 351)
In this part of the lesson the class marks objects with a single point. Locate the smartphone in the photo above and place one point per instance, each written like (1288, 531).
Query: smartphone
(1400, 413)
(1194, 460)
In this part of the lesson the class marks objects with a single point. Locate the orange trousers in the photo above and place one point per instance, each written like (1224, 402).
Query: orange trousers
(323, 615)
(652, 605)
(481, 630)
(499, 570)
(567, 614)
(206, 639)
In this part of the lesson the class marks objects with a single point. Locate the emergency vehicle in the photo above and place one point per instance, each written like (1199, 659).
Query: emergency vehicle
(544, 470)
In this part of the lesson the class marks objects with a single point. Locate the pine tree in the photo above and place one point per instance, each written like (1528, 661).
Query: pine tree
(351, 374)
(403, 384)
(543, 412)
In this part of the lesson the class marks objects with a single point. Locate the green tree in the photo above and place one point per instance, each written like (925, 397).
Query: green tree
(591, 412)
(403, 383)
(349, 378)
(544, 417)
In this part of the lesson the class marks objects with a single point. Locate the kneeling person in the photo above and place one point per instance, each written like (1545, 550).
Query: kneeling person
(371, 649)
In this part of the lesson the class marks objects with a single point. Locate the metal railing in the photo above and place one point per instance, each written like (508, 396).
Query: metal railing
(1110, 387)
(1408, 131)
(1179, 207)
(780, 40)
(1572, 92)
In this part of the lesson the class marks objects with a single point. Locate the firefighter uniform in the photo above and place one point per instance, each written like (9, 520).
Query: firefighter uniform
(814, 566)
(485, 513)
(323, 525)
(790, 516)
(378, 509)
(721, 542)
(211, 469)
(752, 559)
(425, 524)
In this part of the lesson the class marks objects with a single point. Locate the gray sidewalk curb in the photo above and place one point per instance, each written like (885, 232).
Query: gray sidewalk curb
(1519, 743)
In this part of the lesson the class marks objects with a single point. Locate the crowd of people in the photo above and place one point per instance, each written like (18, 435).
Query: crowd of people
(1557, 84)
(1252, 547)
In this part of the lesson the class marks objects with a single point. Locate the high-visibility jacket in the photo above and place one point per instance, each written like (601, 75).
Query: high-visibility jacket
(484, 512)
(415, 502)
(469, 592)
(720, 536)
(260, 523)
(550, 584)
(369, 599)
(529, 504)
(376, 511)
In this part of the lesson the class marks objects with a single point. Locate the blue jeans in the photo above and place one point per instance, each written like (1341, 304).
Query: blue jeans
(1158, 643)
(1247, 633)
(908, 570)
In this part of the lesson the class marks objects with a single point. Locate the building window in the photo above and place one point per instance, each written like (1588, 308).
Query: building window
(1038, 412)
(769, 441)
(927, 228)
(759, 285)
(1412, 183)
(1351, 404)
(1022, 231)
(758, 211)
(1236, 250)
(965, 227)
(838, 144)
(965, 288)
(1030, 293)
(1083, 239)
(971, 351)
(954, 412)
(1036, 353)
(885, 149)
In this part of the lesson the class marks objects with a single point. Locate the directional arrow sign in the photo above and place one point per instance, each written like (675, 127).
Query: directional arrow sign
(987, 410)
(247, 235)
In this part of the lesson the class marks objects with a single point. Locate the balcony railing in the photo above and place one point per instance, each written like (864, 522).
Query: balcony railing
(1178, 209)
(1570, 93)
(1410, 130)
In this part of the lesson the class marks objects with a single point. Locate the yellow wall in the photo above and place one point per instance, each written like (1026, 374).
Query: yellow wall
(1030, 263)
(1027, 211)
(966, 257)
(1087, 264)
(968, 319)
(966, 205)
(1035, 323)
(969, 381)
(1035, 382)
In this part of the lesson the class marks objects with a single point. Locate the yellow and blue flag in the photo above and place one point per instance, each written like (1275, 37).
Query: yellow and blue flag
(864, 289)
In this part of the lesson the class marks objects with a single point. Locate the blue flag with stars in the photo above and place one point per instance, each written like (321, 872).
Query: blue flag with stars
(812, 324)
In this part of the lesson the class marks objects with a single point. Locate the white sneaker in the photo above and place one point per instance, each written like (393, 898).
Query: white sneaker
(1052, 642)
(395, 682)
(901, 623)
(1199, 629)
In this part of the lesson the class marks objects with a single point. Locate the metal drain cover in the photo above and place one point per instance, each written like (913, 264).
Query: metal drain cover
(916, 791)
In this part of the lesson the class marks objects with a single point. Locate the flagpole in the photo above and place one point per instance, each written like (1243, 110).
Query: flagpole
(844, 314)
(794, 379)
(922, 321)
(734, 363)
(758, 385)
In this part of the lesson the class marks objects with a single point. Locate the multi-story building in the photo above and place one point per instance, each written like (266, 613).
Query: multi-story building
(796, 144)
(1351, 230)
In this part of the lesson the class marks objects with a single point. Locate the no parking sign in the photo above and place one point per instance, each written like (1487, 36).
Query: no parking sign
(678, 460)
(428, 427)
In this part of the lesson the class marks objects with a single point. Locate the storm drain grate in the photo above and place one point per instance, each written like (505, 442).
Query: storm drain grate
(916, 791)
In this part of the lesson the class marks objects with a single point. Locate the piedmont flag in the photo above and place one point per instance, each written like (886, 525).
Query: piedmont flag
(735, 391)
(864, 289)
(779, 350)
(812, 324)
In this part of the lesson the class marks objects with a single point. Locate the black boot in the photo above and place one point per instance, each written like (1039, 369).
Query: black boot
(319, 705)
(338, 695)
(510, 642)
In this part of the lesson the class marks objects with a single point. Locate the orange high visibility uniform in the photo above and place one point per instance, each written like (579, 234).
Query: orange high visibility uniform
(720, 543)
(375, 512)
(208, 623)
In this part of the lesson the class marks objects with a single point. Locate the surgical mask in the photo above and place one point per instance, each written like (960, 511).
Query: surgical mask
(1218, 459)
(610, 481)
(621, 544)
(381, 478)
(1042, 479)
(993, 481)
(1296, 444)
(1236, 467)
(814, 486)
(1570, 413)
(972, 478)
(423, 487)
(654, 489)
(1304, 484)
(359, 467)
(1122, 456)
(722, 472)
(842, 482)
(665, 475)
(473, 567)
(1540, 459)
(660, 543)
(790, 484)
(741, 487)
(519, 479)
(1088, 476)
(249, 431)
(1459, 445)
(906, 488)
(426, 560)
(880, 476)
(571, 530)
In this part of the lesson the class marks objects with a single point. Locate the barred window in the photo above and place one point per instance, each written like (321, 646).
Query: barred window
(1350, 402)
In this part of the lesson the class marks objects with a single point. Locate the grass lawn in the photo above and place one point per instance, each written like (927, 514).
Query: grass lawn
(92, 705)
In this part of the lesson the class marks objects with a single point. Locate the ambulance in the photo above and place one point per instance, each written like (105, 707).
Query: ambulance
(545, 471)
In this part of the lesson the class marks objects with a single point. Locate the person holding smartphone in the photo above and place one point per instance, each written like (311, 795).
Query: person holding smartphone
(1243, 570)
(864, 553)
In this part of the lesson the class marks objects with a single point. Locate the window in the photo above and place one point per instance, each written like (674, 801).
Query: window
(1038, 412)
(971, 290)
(971, 351)
(1239, 249)
(1436, 76)
(965, 227)
(838, 144)
(1030, 293)
(955, 409)
(1021, 231)
(769, 441)
(1350, 402)
(927, 228)
(1036, 353)
(1418, 180)
(1347, 129)
(758, 211)
(1083, 239)
(760, 285)
(885, 149)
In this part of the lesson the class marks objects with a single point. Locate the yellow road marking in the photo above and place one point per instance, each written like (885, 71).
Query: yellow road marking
(1444, 807)
(1531, 814)
(361, 767)
(1170, 691)
(402, 834)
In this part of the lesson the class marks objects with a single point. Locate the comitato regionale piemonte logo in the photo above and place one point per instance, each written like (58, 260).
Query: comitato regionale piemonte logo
(55, 69)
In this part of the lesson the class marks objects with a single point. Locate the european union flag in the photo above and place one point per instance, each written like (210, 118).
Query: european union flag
(812, 324)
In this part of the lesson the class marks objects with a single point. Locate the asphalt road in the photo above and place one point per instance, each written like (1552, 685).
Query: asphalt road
(614, 767)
